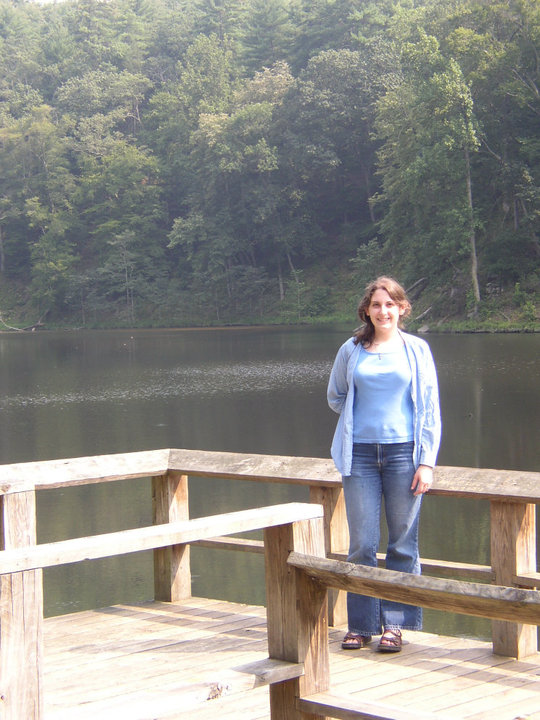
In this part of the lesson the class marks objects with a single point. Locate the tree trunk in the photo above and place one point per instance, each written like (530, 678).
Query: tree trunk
(280, 282)
(2, 253)
(472, 236)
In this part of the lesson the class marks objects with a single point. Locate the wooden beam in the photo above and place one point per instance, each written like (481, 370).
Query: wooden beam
(529, 580)
(265, 468)
(148, 538)
(297, 615)
(444, 568)
(232, 543)
(82, 471)
(492, 601)
(513, 551)
(348, 708)
(336, 537)
(441, 568)
(270, 670)
(486, 484)
(172, 570)
(21, 615)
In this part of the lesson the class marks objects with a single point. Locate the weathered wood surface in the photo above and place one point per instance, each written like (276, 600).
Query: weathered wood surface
(21, 615)
(194, 660)
(232, 543)
(336, 538)
(267, 468)
(486, 484)
(149, 538)
(442, 568)
(513, 551)
(172, 568)
(491, 484)
(492, 601)
(297, 611)
(348, 708)
(530, 580)
(270, 670)
(82, 471)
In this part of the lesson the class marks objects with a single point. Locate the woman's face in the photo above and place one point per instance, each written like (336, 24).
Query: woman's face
(384, 312)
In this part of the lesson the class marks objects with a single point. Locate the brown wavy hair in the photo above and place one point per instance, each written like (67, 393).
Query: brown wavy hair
(366, 332)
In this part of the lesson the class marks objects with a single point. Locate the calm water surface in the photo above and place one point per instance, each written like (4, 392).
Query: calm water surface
(240, 390)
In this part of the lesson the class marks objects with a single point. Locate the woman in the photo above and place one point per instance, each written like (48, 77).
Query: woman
(384, 386)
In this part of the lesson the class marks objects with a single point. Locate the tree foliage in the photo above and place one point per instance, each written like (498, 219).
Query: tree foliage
(199, 161)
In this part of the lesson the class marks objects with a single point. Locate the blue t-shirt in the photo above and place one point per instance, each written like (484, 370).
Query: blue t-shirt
(383, 406)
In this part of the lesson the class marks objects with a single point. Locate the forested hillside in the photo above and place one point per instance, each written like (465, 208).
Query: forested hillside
(225, 161)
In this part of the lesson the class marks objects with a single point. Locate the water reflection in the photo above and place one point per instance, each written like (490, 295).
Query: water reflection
(255, 391)
(182, 381)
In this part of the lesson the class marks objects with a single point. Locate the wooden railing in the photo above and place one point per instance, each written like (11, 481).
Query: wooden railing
(317, 537)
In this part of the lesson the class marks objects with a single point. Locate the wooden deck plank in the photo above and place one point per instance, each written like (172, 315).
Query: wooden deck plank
(253, 705)
(161, 661)
(150, 619)
(472, 686)
(513, 708)
(439, 690)
(136, 639)
(414, 667)
(142, 654)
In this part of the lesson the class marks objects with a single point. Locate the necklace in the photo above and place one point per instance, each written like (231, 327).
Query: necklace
(376, 344)
(387, 344)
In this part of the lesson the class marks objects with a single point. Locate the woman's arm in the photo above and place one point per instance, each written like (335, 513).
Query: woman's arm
(430, 437)
(338, 384)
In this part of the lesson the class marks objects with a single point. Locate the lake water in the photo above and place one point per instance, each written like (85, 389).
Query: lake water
(241, 390)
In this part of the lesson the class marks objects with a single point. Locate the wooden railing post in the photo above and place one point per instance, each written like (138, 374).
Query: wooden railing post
(21, 615)
(336, 539)
(513, 551)
(172, 570)
(297, 616)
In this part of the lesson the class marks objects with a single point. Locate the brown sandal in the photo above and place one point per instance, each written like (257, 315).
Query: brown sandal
(391, 641)
(354, 641)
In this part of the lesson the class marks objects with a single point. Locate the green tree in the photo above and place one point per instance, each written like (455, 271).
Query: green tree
(39, 186)
(328, 149)
(233, 228)
(221, 18)
(502, 65)
(428, 130)
(111, 94)
(268, 33)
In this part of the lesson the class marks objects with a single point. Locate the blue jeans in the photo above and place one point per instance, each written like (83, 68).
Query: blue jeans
(380, 470)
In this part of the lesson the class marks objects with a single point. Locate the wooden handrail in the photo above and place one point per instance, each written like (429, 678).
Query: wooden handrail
(49, 474)
(478, 483)
(491, 601)
(35, 557)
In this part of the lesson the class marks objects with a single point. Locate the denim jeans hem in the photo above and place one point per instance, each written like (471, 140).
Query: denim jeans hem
(365, 633)
(402, 627)
(379, 631)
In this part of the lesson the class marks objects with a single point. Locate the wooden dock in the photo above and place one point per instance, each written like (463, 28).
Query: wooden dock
(180, 656)
(195, 659)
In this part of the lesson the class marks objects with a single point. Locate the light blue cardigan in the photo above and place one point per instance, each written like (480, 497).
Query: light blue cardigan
(425, 397)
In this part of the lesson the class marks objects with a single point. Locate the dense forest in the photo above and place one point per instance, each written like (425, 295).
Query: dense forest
(194, 162)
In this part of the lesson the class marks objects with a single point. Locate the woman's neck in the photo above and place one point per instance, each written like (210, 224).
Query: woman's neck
(383, 338)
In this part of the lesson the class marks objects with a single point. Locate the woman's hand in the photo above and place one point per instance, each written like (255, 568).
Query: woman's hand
(422, 479)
